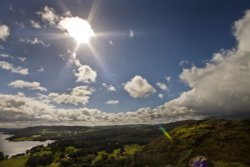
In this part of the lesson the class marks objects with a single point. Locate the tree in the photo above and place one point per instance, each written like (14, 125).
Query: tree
(41, 160)
(1, 156)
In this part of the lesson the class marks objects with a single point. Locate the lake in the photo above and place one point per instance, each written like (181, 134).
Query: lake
(11, 148)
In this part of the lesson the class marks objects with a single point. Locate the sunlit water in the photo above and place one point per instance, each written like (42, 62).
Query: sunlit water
(11, 148)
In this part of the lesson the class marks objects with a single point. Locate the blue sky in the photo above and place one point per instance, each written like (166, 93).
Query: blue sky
(150, 42)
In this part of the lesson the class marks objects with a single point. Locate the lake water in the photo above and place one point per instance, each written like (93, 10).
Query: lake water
(11, 148)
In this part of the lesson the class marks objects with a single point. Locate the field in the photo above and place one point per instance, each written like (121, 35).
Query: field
(15, 162)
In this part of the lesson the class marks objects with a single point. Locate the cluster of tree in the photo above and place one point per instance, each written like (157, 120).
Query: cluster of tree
(2, 156)
(39, 160)
(85, 156)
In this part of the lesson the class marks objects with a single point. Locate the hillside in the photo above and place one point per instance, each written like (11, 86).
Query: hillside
(223, 143)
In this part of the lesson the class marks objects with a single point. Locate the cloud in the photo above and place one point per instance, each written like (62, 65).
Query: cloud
(20, 24)
(242, 32)
(160, 95)
(11, 8)
(109, 88)
(162, 86)
(34, 41)
(35, 24)
(49, 15)
(222, 86)
(16, 108)
(10, 67)
(78, 95)
(4, 32)
(84, 73)
(22, 59)
(111, 43)
(6, 56)
(41, 69)
(183, 63)
(20, 94)
(112, 102)
(139, 87)
(21, 108)
(131, 33)
(168, 78)
(28, 85)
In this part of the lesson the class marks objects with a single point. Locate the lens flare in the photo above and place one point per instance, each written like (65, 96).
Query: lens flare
(164, 131)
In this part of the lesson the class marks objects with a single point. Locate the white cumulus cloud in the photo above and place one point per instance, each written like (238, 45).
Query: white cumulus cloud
(35, 24)
(78, 95)
(22, 59)
(3, 55)
(41, 69)
(112, 102)
(49, 15)
(84, 73)
(10, 67)
(139, 87)
(160, 95)
(28, 85)
(222, 86)
(4, 32)
(162, 86)
(34, 41)
(242, 32)
(109, 88)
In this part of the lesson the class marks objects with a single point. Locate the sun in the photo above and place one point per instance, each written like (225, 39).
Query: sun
(77, 28)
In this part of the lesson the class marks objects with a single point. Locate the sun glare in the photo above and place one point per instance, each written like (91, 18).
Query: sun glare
(77, 28)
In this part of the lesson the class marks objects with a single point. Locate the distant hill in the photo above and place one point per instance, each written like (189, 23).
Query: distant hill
(92, 133)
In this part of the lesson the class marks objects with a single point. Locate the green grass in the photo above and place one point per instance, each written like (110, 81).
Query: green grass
(32, 138)
(132, 149)
(129, 150)
(53, 164)
(70, 150)
(99, 156)
(228, 164)
(14, 162)
(41, 153)
(224, 143)
(23, 139)
(57, 156)
(20, 161)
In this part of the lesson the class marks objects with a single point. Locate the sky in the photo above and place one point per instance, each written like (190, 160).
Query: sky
(92, 62)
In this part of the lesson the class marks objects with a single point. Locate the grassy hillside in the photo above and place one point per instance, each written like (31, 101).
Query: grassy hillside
(14, 162)
(223, 143)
